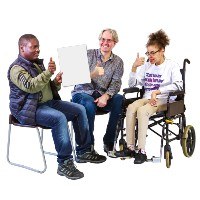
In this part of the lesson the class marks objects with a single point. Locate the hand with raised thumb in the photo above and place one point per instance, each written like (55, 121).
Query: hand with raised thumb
(138, 62)
(98, 71)
(51, 66)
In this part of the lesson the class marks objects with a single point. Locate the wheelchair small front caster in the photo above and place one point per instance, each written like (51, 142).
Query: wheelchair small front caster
(168, 155)
(168, 159)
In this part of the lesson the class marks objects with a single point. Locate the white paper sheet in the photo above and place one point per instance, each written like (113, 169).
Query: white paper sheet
(73, 62)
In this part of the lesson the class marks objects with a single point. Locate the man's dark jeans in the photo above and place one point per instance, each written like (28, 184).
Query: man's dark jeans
(56, 114)
(114, 106)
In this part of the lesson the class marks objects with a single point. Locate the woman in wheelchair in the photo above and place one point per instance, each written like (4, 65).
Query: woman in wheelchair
(158, 76)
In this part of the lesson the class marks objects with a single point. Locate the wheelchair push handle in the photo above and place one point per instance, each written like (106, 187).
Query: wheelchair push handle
(184, 63)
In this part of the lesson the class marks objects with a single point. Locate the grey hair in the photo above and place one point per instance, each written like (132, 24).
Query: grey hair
(112, 32)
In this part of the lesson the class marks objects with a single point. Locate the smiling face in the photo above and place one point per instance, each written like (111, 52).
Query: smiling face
(106, 42)
(155, 55)
(29, 49)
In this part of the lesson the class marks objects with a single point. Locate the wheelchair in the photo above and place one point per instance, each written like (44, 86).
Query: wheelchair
(166, 119)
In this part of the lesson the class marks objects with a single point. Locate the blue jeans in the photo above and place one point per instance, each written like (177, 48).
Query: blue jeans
(114, 106)
(55, 114)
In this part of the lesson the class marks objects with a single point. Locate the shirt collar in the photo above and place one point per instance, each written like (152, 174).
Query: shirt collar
(99, 55)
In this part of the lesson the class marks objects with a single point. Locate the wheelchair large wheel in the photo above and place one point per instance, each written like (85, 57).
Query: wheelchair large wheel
(182, 123)
(188, 141)
(168, 159)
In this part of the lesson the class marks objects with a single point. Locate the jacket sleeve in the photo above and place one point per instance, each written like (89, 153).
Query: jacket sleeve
(22, 79)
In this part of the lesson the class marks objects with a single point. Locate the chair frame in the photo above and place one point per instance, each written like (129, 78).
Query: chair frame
(14, 122)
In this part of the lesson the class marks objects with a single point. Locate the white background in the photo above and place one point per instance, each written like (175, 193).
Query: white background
(64, 23)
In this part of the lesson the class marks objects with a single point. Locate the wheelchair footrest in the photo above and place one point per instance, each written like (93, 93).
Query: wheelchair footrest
(154, 159)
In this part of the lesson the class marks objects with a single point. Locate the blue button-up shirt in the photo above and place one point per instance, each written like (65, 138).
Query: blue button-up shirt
(110, 82)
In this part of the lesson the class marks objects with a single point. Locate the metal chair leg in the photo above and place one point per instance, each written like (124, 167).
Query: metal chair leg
(42, 136)
(25, 166)
(71, 132)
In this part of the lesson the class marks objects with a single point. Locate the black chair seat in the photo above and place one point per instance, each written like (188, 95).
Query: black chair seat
(15, 122)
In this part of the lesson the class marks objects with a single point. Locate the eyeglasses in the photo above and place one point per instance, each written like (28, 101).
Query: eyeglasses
(152, 53)
(106, 40)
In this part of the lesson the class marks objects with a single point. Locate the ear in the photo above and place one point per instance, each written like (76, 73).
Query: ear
(21, 48)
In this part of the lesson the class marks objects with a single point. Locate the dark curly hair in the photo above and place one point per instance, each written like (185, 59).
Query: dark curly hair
(158, 38)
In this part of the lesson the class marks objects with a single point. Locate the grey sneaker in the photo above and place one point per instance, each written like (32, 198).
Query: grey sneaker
(91, 156)
(69, 170)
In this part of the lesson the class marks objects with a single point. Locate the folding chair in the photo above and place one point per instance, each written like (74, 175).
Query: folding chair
(14, 122)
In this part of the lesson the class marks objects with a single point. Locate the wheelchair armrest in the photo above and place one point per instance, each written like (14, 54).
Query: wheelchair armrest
(176, 93)
(176, 107)
(179, 95)
(131, 90)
